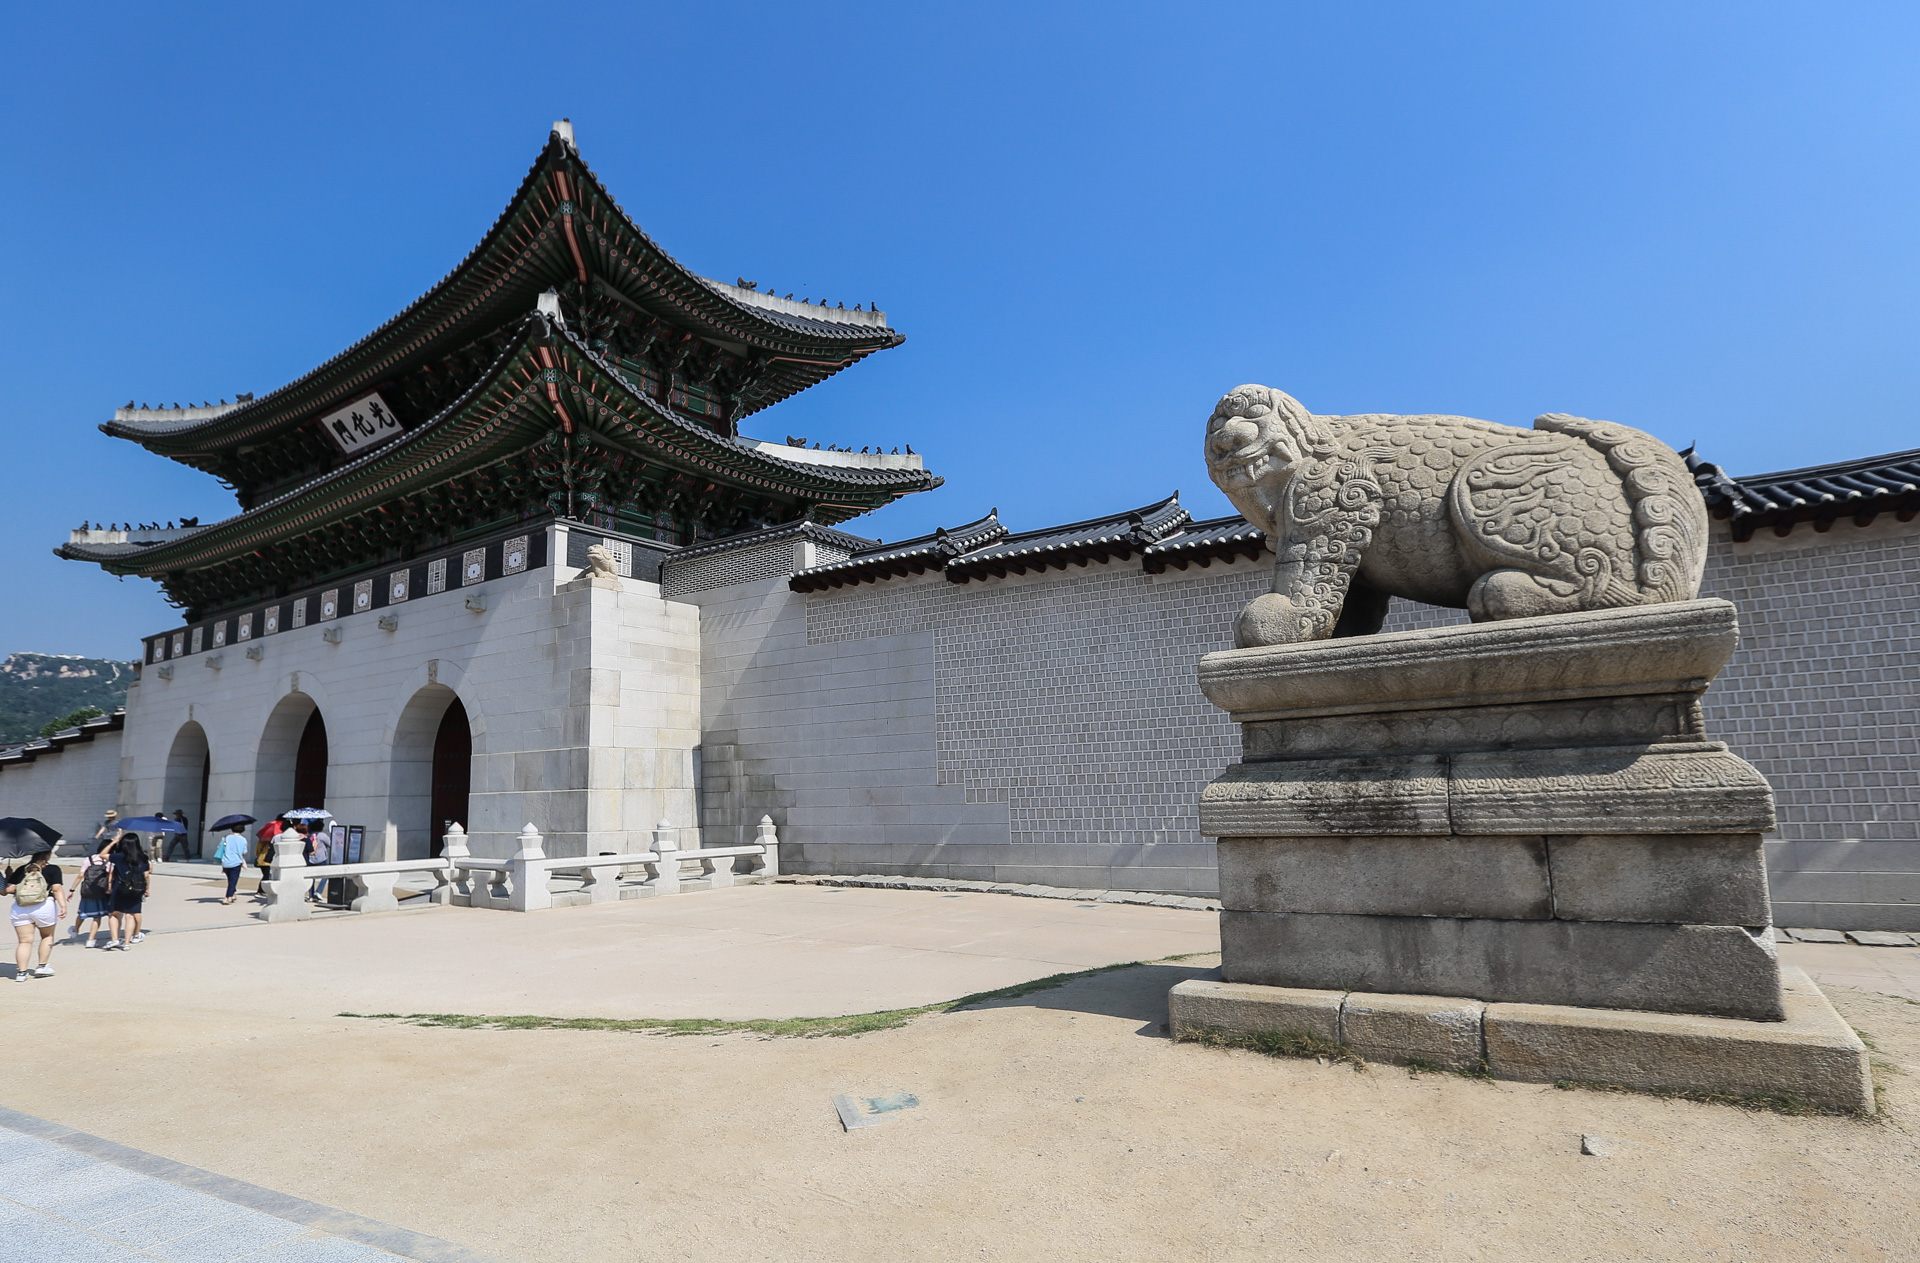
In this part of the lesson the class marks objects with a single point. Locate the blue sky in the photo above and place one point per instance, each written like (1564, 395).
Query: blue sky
(1089, 220)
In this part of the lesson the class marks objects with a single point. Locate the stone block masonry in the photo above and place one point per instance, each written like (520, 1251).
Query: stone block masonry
(1810, 1058)
(581, 697)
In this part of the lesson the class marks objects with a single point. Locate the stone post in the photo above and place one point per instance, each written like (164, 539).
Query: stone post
(286, 887)
(666, 878)
(769, 865)
(453, 849)
(530, 892)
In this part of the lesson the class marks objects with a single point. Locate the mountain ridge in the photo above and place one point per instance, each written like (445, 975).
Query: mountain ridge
(38, 687)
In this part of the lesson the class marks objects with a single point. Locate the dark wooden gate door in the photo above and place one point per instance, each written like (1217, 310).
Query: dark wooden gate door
(452, 773)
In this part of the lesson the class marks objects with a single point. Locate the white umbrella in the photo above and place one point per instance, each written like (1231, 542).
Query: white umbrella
(307, 813)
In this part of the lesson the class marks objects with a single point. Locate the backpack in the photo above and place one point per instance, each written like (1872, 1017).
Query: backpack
(31, 889)
(134, 883)
(96, 882)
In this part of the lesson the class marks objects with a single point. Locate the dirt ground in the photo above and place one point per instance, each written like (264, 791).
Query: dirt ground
(1062, 1125)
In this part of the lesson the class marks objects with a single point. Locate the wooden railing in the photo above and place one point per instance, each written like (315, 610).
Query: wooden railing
(523, 883)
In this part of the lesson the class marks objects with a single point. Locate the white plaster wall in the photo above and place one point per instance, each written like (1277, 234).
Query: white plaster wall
(582, 704)
(70, 788)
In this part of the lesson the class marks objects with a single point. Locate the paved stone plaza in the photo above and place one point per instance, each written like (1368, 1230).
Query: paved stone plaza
(1054, 1125)
(63, 1204)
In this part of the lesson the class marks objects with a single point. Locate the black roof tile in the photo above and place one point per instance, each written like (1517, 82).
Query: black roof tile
(908, 557)
(1080, 543)
(1862, 489)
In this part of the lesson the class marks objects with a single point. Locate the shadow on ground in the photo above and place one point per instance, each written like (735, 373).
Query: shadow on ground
(1137, 993)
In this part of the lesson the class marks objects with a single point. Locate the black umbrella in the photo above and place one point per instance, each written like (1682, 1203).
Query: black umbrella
(227, 822)
(22, 836)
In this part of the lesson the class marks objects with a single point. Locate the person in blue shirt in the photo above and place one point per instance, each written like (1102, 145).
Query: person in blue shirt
(232, 854)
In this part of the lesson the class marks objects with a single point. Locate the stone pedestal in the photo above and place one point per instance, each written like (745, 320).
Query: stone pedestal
(1505, 815)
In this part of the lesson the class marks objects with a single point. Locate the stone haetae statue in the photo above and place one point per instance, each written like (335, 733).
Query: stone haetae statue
(1505, 523)
(600, 563)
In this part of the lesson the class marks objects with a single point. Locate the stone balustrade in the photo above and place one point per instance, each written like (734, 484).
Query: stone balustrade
(522, 883)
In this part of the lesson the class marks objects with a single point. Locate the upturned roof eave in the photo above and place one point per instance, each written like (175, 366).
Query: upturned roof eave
(388, 468)
(716, 315)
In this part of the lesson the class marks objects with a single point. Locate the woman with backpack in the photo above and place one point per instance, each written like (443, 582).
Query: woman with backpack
(96, 888)
(232, 854)
(130, 867)
(39, 901)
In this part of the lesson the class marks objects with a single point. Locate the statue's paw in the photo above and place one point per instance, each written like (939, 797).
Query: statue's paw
(1270, 620)
(1504, 594)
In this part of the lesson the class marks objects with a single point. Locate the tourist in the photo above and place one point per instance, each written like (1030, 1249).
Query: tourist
(179, 840)
(263, 851)
(314, 842)
(96, 890)
(131, 872)
(232, 854)
(108, 833)
(39, 901)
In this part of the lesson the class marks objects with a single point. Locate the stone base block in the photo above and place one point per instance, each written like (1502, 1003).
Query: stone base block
(1670, 878)
(1237, 1009)
(1720, 970)
(1812, 1056)
(1438, 1030)
(1504, 877)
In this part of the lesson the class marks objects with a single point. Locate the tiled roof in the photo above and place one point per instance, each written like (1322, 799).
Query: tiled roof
(908, 557)
(27, 752)
(403, 461)
(1203, 543)
(519, 256)
(1098, 539)
(1821, 494)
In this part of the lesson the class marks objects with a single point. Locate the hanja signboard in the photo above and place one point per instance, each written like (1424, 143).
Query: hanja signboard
(364, 423)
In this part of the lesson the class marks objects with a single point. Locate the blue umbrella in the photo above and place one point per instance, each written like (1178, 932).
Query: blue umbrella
(150, 824)
(307, 813)
(227, 822)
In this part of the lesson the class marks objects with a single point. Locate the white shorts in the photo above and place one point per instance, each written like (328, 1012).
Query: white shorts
(45, 915)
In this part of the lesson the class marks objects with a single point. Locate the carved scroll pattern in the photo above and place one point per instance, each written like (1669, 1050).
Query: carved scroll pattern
(1332, 512)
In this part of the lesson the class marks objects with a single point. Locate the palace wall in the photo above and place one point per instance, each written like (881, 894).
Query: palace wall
(1047, 728)
(582, 703)
(70, 787)
(1028, 729)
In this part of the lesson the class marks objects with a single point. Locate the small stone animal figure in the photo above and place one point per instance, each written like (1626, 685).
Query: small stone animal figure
(1505, 523)
(601, 563)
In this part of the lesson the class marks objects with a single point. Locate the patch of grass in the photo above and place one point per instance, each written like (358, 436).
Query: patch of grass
(1776, 1103)
(1479, 1070)
(1276, 1043)
(769, 1028)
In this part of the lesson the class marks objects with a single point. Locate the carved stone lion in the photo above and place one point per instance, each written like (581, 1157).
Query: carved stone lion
(1505, 523)
(600, 562)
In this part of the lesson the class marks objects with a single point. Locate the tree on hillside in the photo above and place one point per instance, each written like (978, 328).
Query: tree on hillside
(74, 720)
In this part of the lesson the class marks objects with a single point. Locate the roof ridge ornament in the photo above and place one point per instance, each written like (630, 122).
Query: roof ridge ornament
(564, 130)
(548, 305)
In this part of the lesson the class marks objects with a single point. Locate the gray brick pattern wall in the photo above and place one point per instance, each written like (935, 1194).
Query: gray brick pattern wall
(746, 565)
(1071, 699)
(1068, 700)
(1824, 698)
